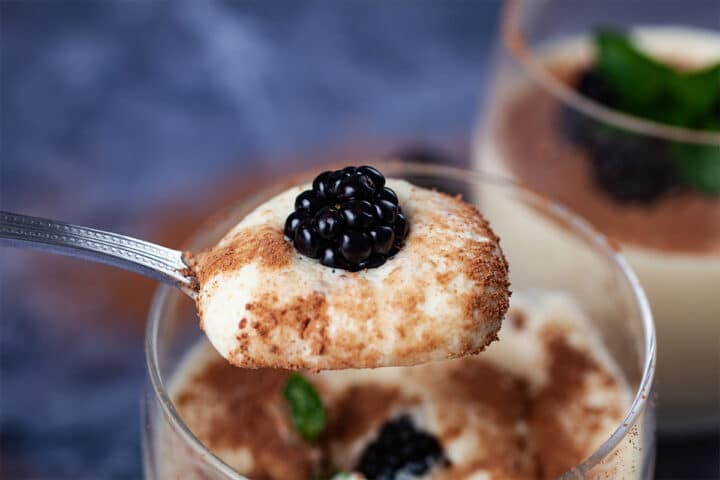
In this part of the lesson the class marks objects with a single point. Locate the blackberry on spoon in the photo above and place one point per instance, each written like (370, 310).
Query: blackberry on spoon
(349, 220)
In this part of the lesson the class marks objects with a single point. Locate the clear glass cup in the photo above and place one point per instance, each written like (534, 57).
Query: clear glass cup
(538, 131)
(580, 262)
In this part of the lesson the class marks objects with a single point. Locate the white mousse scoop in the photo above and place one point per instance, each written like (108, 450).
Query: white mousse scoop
(443, 295)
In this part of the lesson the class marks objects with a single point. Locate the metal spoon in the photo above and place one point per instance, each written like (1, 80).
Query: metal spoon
(155, 261)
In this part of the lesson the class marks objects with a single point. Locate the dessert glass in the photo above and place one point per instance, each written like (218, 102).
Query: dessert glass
(592, 272)
(673, 244)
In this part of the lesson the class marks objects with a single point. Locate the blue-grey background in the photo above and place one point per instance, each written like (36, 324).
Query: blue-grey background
(142, 117)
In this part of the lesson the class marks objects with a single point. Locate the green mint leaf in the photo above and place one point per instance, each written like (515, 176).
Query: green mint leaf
(308, 413)
(699, 91)
(636, 78)
(698, 166)
(647, 88)
(347, 476)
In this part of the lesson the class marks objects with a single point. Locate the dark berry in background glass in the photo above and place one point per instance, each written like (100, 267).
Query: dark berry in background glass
(400, 450)
(349, 220)
(578, 127)
(633, 170)
(592, 85)
(628, 167)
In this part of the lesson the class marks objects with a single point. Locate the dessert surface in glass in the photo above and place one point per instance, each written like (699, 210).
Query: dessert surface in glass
(533, 405)
(648, 181)
(620, 180)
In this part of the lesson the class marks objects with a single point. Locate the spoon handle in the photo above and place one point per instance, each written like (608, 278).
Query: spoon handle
(139, 256)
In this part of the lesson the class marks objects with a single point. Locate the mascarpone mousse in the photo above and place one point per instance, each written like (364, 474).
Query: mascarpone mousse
(443, 295)
(532, 406)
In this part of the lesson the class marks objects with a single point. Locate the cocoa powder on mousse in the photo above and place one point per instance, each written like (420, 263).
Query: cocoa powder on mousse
(535, 150)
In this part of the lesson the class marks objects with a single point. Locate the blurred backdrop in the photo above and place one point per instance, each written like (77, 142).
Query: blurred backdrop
(146, 117)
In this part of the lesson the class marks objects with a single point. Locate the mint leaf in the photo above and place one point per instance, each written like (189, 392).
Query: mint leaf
(648, 88)
(308, 413)
(699, 91)
(698, 166)
(347, 476)
(637, 79)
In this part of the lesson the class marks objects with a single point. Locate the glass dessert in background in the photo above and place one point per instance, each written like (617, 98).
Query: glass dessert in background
(613, 109)
(566, 388)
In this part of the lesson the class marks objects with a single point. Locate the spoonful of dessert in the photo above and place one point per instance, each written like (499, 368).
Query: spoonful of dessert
(351, 271)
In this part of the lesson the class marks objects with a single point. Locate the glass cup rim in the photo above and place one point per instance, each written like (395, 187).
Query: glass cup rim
(578, 225)
(514, 42)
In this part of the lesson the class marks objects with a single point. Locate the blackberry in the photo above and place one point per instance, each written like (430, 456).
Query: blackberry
(400, 450)
(579, 128)
(629, 168)
(592, 85)
(348, 220)
(632, 169)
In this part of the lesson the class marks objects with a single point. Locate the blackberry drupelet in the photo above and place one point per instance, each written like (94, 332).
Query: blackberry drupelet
(628, 167)
(349, 220)
(400, 449)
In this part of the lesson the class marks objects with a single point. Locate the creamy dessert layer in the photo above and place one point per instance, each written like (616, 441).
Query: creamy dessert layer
(442, 295)
(532, 406)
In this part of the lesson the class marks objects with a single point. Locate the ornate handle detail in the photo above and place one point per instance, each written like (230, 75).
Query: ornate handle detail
(139, 256)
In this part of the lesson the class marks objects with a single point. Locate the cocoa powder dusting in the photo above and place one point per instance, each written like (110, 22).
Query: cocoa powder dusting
(305, 316)
(360, 409)
(536, 152)
(245, 409)
(489, 268)
(556, 449)
(482, 262)
(263, 243)
(232, 408)
(486, 391)
(508, 399)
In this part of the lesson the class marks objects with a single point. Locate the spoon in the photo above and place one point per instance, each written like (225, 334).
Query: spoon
(148, 259)
(299, 314)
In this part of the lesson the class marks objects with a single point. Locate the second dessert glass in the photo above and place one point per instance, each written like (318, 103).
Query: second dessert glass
(612, 169)
(573, 258)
